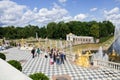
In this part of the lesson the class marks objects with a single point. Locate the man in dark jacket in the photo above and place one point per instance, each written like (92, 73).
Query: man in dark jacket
(33, 52)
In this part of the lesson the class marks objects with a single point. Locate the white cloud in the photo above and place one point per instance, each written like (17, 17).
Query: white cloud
(35, 9)
(80, 17)
(113, 15)
(55, 14)
(12, 13)
(67, 18)
(62, 1)
(93, 9)
(113, 11)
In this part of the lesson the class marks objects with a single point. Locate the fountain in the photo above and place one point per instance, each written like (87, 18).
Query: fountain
(100, 55)
(115, 47)
(116, 44)
(85, 60)
(105, 57)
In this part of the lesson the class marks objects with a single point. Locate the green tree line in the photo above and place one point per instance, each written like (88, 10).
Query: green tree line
(59, 30)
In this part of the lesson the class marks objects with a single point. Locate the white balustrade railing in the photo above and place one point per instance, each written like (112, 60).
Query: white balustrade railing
(107, 64)
(99, 63)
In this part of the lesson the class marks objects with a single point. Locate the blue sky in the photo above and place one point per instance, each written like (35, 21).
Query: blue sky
(41, 12)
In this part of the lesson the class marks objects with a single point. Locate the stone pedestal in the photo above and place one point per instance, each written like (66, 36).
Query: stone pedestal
(61, 77)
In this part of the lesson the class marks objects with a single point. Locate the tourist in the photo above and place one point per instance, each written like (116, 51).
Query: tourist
(50, 54)
(58, 58)
(38, 51)
(62, 57)
(33, 52)
(64, 53)
(54, 56)
(51, 61)
(51, 50)
(46, 53)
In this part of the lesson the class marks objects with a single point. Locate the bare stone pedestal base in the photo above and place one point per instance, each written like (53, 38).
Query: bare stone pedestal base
(61, 77)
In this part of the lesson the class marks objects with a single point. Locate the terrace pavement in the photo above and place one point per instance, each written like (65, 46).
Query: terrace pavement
(41, 64)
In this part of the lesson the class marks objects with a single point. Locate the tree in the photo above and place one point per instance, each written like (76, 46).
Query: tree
(43, 32)
(51, 29)
(10, 32)
(61, 30)
(2, 32)
(30, 31)
(74, 27)
(20, 32)
(85, 29)
(94, 30)
(110, 27)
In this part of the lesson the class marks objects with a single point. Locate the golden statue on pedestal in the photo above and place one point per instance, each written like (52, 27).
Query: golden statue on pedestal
(83, 59)
(113, 55)
(22, 42)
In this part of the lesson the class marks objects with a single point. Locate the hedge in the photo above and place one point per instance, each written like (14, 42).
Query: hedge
(38, 76)
(15, 64)
(2, 56)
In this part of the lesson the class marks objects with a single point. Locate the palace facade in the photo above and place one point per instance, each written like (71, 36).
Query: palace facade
(79, 39)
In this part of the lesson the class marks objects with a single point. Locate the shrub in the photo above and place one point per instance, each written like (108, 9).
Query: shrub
(2, 56)
(15, 64)
(38, 76)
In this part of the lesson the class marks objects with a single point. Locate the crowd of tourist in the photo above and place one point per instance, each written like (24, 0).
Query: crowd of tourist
(56, 56)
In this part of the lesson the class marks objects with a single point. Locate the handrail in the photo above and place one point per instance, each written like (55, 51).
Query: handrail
(108, 64)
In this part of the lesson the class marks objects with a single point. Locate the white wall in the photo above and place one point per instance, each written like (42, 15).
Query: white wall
(7, 72)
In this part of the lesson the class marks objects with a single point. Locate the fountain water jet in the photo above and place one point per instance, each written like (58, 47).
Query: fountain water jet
(116, 44)
(100, 55)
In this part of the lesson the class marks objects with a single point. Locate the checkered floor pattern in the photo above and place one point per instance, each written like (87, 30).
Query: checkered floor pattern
(41, 64)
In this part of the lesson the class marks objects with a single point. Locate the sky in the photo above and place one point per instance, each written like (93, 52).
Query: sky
(42, 12)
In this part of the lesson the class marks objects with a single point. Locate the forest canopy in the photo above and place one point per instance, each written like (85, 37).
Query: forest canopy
(59, 30)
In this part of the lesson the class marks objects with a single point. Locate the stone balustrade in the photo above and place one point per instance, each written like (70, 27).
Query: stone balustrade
(108, 64)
